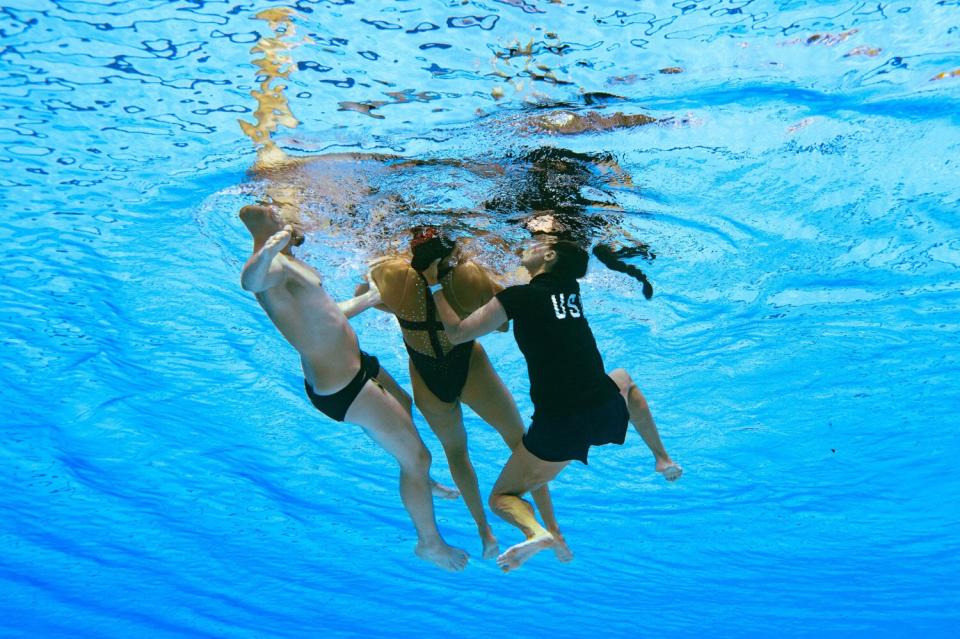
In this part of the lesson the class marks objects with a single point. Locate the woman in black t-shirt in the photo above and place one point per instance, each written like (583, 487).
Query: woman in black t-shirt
(576, 403)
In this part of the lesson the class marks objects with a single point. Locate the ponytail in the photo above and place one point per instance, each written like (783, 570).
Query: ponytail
(613, 260)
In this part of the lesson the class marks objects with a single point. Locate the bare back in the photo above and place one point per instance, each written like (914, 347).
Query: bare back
(404, 293)
(313, 324)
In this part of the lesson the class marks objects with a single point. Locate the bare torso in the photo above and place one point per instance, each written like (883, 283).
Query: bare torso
(314, 325)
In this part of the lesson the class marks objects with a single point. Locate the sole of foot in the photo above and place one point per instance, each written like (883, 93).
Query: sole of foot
(515, 556)
(443, 492)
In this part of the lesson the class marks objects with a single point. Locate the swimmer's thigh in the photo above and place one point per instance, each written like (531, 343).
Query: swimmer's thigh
(383, 418)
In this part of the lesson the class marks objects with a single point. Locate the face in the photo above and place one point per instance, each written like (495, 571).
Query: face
(536, 252)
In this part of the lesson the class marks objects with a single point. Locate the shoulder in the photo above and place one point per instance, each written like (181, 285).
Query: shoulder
(515, 299)
(469, 275)
(391, 269)
(395, 279)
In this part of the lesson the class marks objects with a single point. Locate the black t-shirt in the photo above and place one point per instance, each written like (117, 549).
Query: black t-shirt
(566, 371)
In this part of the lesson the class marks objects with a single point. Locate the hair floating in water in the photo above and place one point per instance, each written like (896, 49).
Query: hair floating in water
(613, 261)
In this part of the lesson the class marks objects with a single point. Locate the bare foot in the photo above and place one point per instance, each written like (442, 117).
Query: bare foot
(561, 549)
(443, 555)
(491, 548)
(671, 471)
(516, 555)
(441, 491)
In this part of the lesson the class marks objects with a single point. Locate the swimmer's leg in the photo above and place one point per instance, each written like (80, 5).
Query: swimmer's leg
(486, 394)
(446, 421)
(391, 386)
(388, 424)
(642, 421)
(522, 473)
(403, 397)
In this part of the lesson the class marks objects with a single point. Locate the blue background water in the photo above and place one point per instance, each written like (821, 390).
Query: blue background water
(162, 475)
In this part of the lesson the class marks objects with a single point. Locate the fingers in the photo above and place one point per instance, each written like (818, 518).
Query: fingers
(279, 240)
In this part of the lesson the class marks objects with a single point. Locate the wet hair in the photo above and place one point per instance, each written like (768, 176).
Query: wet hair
(571, 260)
(613, 260)
(428, 244)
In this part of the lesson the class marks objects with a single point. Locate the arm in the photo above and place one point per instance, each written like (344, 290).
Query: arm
(468, 287)
(485, 319)
(356, 305)
(363, 288)
(261, 271)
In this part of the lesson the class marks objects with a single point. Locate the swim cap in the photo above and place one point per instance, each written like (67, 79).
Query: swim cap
(429, 245)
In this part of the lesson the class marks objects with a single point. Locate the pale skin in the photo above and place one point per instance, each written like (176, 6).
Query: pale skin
(291, 293)
(524, 471)
(484, 392)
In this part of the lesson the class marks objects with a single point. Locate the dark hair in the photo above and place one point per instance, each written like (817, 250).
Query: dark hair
(571, 260)
(428, 244)
(613, 260)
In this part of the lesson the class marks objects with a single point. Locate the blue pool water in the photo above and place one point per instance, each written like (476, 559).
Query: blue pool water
(163, 476)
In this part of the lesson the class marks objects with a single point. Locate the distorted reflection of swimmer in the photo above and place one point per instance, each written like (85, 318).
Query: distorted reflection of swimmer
(571, 188)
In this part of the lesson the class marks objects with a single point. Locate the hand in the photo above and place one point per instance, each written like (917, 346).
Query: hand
(430, 273)
(373, 292)
(452, 260)
(447, 264)
(278, 241)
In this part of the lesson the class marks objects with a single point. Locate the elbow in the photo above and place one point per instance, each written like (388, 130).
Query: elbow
(250, 284)
(455, 335)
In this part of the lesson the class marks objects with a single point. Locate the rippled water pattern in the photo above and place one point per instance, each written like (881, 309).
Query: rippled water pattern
(162, 475)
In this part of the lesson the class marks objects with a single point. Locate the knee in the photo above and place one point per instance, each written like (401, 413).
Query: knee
(419, 462)
(621, 377)
(624, 381)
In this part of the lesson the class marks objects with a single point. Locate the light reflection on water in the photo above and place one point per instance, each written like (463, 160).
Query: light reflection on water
(162, 474)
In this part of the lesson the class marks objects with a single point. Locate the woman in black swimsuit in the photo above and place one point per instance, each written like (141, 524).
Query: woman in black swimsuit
(443, 374)
(576, 403)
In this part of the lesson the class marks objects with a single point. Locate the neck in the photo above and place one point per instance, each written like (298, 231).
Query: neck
(539, 271)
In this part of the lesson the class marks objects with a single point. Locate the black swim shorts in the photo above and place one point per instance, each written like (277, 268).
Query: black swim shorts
(335, 406)
(569, 437)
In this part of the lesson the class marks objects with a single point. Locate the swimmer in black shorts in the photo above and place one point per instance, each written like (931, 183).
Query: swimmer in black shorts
(336, 406)
(576, 403)
(342, 381)
(443, 374)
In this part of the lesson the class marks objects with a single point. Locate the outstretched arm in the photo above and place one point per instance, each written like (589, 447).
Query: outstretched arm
(261, 272)
(361, 302)
(485, 319)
